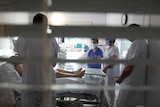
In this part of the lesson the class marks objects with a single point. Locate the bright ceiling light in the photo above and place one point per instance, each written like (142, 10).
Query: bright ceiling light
(56, 18)
(14, 18)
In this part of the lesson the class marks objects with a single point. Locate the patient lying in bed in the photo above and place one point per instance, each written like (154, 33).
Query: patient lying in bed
(63, 77)
(15, 71)
(74, 77)
(7, 97)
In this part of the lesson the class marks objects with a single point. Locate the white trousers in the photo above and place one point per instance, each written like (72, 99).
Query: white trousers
(130, 98)
(110, 94)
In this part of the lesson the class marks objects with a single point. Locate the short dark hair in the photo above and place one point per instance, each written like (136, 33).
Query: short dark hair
(96, 39)
(134, 25)
(40, 18)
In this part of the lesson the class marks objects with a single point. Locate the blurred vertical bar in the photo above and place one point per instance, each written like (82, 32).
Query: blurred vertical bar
(1, 30)
(48, 94)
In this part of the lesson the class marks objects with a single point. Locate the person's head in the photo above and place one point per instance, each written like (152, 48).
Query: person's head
(110, 42)
(133, 26)
(94, 43)
(40, 19)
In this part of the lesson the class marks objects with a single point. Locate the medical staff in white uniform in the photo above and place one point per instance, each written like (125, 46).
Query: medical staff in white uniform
(34, 71)
(133, 76)
(111, 70)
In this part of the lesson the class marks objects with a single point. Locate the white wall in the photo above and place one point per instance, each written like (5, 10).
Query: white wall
(71, 18)
(113, 19)
(91, 19)
(141, 19)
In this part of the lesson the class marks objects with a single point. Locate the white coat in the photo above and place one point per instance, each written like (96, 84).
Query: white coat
(34, 71)
(30, 48)
(127, 98)
(111, 74)
(109, 53)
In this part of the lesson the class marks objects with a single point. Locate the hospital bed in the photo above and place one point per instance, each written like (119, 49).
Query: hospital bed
(82, 98)
(75, 98)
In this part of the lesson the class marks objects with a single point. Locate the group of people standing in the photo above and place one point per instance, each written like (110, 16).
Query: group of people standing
(33, 72)
(111, 70)
(132, 75)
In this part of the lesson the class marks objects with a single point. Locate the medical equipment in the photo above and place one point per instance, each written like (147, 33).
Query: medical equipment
(82, 98)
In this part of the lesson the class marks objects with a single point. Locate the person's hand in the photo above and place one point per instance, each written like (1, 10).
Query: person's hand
(98, 57)
(118, 80)
(104, 69)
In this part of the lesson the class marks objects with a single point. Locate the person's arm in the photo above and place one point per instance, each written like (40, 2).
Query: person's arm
(106, 66)
(63, 73)
(18, 68)
(73, 72)
(127, 71)
(57, 50)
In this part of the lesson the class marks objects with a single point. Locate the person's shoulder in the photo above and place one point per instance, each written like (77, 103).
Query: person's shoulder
(99, 49)
(89, 50)
(139, 42)
(115, 47)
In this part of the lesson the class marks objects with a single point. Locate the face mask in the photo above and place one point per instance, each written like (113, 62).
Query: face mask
(107, 42)
(94, 45)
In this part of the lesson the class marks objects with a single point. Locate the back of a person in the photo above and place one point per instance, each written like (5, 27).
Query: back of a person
(139, 69)
(34, 49)
(37, 53)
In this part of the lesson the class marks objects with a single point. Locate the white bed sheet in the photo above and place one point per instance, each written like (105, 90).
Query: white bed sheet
(94, 71)
(81, 81)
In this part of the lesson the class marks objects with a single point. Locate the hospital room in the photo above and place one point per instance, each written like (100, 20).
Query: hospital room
(83, 53)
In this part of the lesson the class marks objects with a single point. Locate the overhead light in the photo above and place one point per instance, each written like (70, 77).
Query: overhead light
(14, 18)
(56, 19)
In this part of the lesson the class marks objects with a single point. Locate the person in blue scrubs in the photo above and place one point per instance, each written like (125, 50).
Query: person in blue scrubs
(95, 53)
